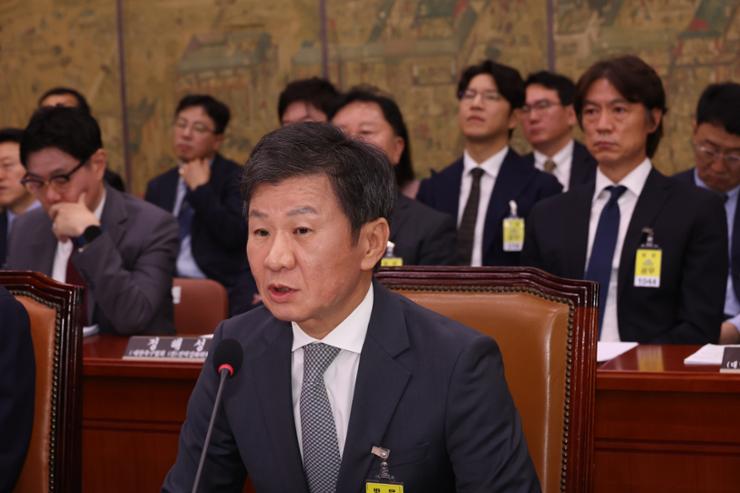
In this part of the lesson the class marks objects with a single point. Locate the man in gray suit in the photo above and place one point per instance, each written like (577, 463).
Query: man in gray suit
(120, 248)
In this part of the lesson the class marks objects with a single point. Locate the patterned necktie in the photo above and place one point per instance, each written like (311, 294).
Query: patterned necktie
(602, 252)
(550, 166)
(321, 457)
(466, 230)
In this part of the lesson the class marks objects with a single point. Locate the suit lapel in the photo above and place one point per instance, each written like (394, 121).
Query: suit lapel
(43, 246)
(649, 204)
(583, 166)
(381, 382)
(3, 236)
(576, 240)
(402, 203)
(169, 190)
(512, 177)
(449, 195)
(271, 372)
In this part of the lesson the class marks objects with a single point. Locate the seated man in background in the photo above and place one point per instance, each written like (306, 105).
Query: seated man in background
(306, 100)
(656, 247)
(71, 98)
(202, 191)
(490, 182)
(716, 144)
(548, 119)
(14, 198)
(336, 366)
(17, 383)
(420, 234)
(121, 249)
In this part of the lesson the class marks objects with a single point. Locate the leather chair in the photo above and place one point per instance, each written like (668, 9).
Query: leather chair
(53, 460)
(199, 306)
(546, 328)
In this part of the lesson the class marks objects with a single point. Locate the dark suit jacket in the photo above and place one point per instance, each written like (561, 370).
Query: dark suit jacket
(582, 167)
(3, 236)
(17, 379)
(690, 227)
(219, 229)
(128, 269)
(114, 180)
(427, 388)
(688, 177)
(517, 180)
(422, 235)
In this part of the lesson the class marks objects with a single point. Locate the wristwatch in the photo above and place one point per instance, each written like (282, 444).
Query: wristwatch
(87, 236)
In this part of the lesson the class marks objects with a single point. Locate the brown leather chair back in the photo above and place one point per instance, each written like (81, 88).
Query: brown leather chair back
(546, 329)
(53, 460)
(200, 305)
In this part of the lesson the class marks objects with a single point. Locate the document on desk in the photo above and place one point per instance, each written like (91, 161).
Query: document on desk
(708, 354)
(610, 350)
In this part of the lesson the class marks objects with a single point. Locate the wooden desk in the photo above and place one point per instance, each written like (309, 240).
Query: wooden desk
(660, 426)
(664, 426)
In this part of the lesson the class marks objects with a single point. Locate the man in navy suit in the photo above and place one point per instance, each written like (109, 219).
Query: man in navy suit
(490, 181)
(716, 142)
(657, 247)
(395, 376)
(202, 191)
(548, 119)
(17, 380)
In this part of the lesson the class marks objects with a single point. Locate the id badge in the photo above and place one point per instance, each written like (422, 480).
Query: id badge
(378, 486)
(384, 482)
(648, 261)
(390, 259)
(513, 230)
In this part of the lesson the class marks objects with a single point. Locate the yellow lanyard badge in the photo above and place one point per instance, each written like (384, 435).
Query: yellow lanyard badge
(513, 230)
(384, 482)
(648, 261)
(389, 259)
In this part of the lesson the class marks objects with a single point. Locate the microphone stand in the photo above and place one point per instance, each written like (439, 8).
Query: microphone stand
(224, 371)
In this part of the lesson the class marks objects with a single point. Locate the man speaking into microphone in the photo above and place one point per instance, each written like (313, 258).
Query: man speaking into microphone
(344, 385)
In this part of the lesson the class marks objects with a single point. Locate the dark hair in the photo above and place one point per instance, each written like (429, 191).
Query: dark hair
(719, 104)
(360, 174)
(392, 113)
(508, 81)
(67, 129)
(318, 92)
(565, 87)
(635, 80)
(63, 91)
(215, 109)
(11, 135)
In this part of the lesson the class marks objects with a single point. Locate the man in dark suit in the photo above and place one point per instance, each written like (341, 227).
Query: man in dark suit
(17, 380)
(490, 181)
(202, 191)
(337, 367)
(14, 198)
(420, 235)
(657, 247)
(716, 142)
(72, 98)
(548, 119)
(121, 249)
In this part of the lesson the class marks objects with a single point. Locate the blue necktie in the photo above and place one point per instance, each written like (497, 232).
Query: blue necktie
(185, 218)
(602, 252)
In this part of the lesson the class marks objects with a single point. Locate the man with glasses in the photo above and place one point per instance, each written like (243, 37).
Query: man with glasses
(202, 191)
(490, 182)
(716, 142)
(119, 248)
(656, 247)
(548, 119)
(14, 198)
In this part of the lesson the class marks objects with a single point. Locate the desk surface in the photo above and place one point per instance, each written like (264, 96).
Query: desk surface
(659, 423)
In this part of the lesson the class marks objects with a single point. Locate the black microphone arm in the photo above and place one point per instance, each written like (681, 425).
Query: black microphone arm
(226, 361)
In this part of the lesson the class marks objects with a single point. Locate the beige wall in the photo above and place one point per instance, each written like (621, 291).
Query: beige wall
(243, 52)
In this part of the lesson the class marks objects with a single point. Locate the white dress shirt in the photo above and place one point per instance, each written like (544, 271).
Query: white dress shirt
(635, 182)
(491, 167)
(64, 249)
(340, 376)
(563, 160)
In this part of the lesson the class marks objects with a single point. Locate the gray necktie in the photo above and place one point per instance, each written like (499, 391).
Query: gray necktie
(321, 458)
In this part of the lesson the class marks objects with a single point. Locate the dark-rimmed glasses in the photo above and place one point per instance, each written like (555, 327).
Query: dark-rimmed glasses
(34, 184)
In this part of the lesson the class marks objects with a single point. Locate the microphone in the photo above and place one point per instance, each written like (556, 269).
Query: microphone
(227, 360)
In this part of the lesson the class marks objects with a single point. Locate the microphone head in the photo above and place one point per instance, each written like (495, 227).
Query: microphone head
(228, 355)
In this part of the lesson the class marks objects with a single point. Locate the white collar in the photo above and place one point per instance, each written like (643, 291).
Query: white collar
(492, 165)
(634, 181)
(562, 157)
(349, 335)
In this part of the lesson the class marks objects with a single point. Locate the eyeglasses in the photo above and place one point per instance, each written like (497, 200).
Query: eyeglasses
(731, 159)
(488, 96)
(197, 127)
(541, 105)
(59, 183)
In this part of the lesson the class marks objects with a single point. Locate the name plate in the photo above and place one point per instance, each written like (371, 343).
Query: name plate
(168, 348)
(730, 360)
